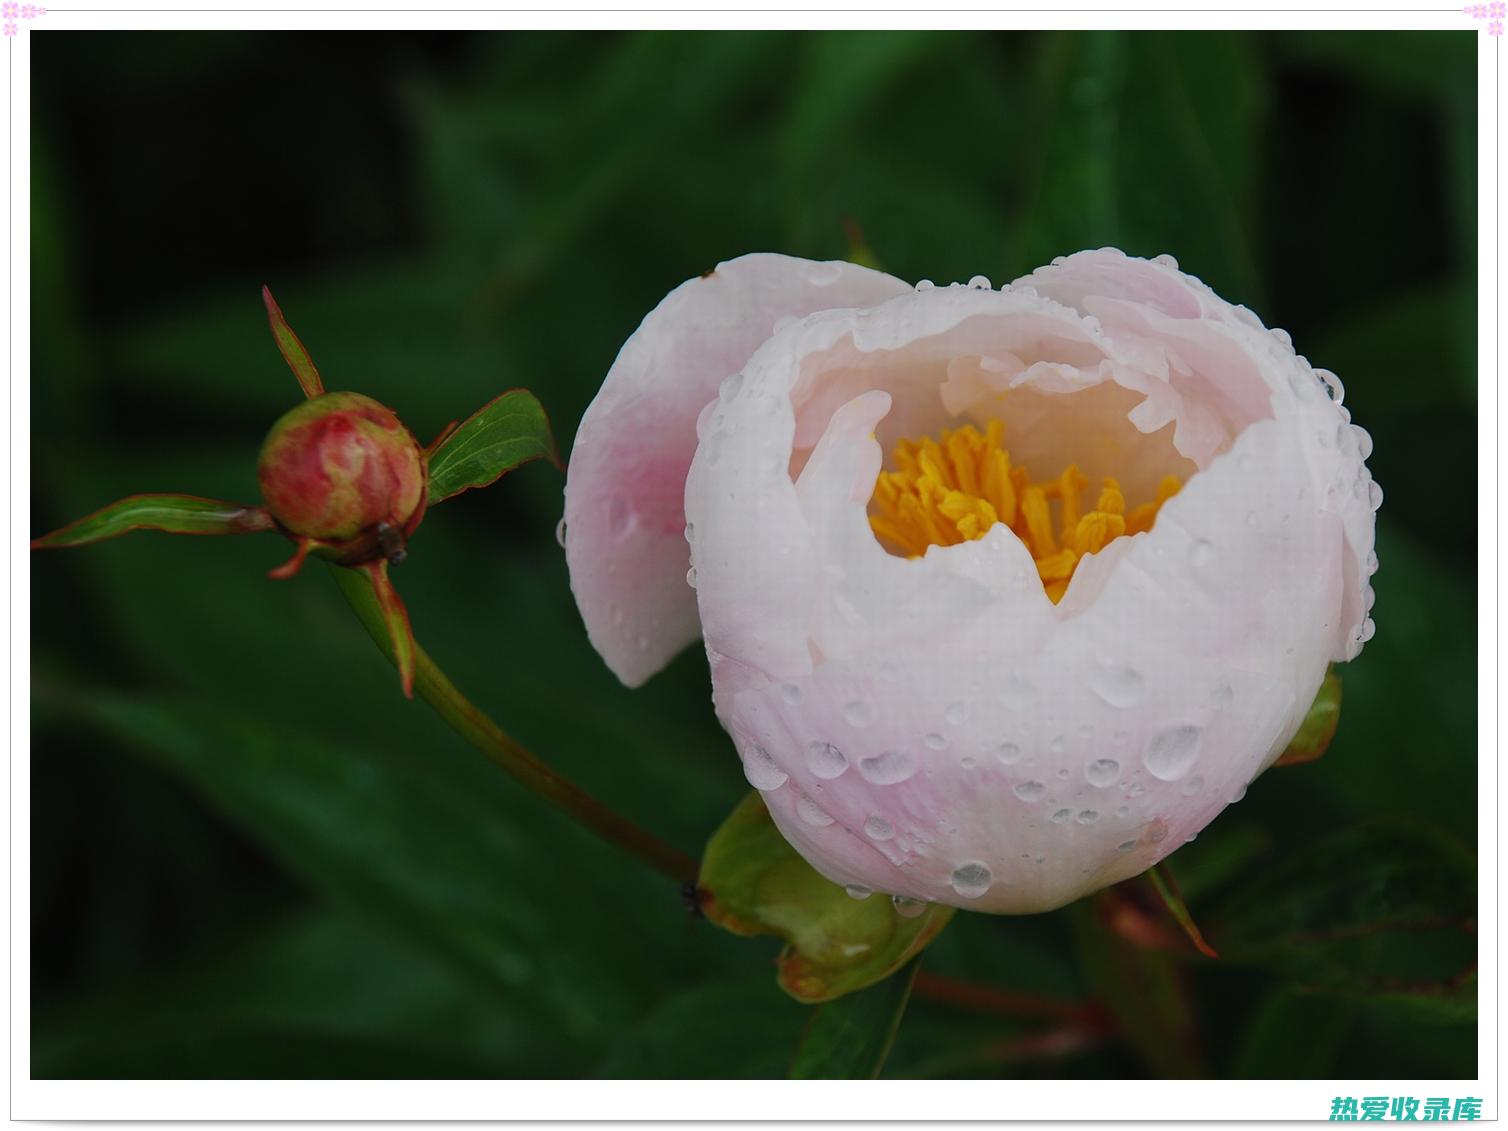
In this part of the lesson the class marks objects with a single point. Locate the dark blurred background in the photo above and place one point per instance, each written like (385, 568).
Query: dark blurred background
(252, 857)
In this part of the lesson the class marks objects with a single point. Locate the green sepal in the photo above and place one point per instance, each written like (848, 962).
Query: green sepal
(1318, 728)
(292, 349)
(172, 514)
(753, 882)
(507, 431)
(395, 617)
(1167, 890)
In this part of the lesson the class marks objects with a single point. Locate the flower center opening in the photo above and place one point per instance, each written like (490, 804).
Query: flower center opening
(954, 490)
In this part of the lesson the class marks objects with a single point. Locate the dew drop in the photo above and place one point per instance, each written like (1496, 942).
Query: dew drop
(620, 517)
(1333, 387)
(858, 891)
(812, 813)
(858, 713)
(908, 908)
(957, 713)
(1221, 695)
(1125, 846)
(691, 577)
(967, 762)
(971, 879)
(1064, 772)
(1102, 772)
(925, 284)
(1368, 630)
(790, 693)
(1238, 795)
(1282, 337)
(825, 760)
(889, 768)
(1060, 816)
(877, 828)
(1088, 816)
(936, 741)
(730, 386)
(1008, 753)
(1200, 553)
(1056, 745)
(560, 532)
(1371, 562)
(1374, 494)
(1123, 811)
(1031, 791)
(1120, 685)
(1363, 441)
(1086, 730)
(761, 770)
(690, 532)
(1171, 752)
(1166, 260)
(980, 283)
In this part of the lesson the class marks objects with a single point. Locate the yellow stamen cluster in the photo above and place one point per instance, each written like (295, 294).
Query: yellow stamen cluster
(944, 493)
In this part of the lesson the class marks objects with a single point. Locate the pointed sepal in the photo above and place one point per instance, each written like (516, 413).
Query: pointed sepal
(507, 431)
(1167, 890)
(295, 563)
(292, 349)
(1318, 728)
(753, 882)
(395, 616)
(172, 514)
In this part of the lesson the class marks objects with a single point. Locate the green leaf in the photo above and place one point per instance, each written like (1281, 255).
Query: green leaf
(173, 514)
(850, 1038)
(754, 883)
(507, 431)
(292, 349)
(1318, 728)
(1378, 911)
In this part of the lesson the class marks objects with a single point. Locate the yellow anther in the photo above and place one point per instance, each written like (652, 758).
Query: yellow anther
(953, 491)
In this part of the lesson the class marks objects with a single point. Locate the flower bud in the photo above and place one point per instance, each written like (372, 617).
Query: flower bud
(341, 470)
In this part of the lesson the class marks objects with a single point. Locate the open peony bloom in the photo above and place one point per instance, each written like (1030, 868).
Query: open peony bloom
(1006, 593)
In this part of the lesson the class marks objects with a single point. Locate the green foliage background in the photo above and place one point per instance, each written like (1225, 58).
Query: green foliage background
(251, 857)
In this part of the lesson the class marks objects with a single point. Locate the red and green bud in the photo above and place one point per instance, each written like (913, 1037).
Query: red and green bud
(341, 471)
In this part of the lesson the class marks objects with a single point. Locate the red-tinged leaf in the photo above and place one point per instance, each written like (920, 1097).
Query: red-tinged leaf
(395, 615)
(507, 431)
(172, 514)
(292, 349)
(1167, 890)
(1318, 728)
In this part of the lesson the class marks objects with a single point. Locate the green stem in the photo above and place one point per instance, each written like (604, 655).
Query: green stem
(472, 724)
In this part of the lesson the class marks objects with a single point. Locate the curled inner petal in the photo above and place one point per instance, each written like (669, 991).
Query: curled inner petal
(953, 490)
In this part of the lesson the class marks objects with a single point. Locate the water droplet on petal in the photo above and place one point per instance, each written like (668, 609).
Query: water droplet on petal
(1171, 752)
(1125, 846)
(620, 517)
(812, 813)
(790, 693)
(1102, 772)
(1120, 685)
(690, 532)
(980, 283)
(1371, 562)
(889, 768)
(858, 713)
(971, 879)
(957, 713)
(560, 532)
(1221, 695)
(1008, 753)
(1368, 629)
(967, 762)
(877, 828)
(1088, 816)
(935, 740)
(1374, 494)
(908, 908)
(1166, 260)
(1193, 786)
(761, 770)
(1333, 387)
(1056, 745)
(730, 386)
(1060, 816)
(691, 577)
(1031, 791)
(925, 284)
(825, 760)
(858, 891)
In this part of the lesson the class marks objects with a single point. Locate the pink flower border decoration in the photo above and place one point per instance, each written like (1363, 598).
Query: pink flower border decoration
(10, 12)
(1493, 13)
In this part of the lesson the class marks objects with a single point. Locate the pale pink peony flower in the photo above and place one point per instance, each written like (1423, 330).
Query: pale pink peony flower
(1004, 677)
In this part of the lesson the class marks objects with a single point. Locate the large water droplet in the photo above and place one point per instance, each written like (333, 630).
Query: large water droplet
(1166, 260)
(925, 284)
(1088, 816)
(1031, 791)
(1368, 629)
(1171, 752)
(812, 813)
(1008, 753)
(761, 770)
(908, 908)
(980, 283)
(1333, 387)
(691, 577)
(690, 532)
(1102, 772)
(825, 760)
(1120, 685)
(1374, 494)
(971, 879)
(730, 386)
(877, 828)
(858, 713)
(889, 768)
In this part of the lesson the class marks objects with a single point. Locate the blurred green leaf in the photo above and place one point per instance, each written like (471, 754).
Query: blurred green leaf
(509, 430)
(1374, 910)
(849, 1039)
(1293, 1036)
(1318, 728)
(754, 883)
(172, 514)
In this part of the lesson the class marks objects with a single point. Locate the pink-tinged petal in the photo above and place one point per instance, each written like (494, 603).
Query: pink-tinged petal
(624, 509)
